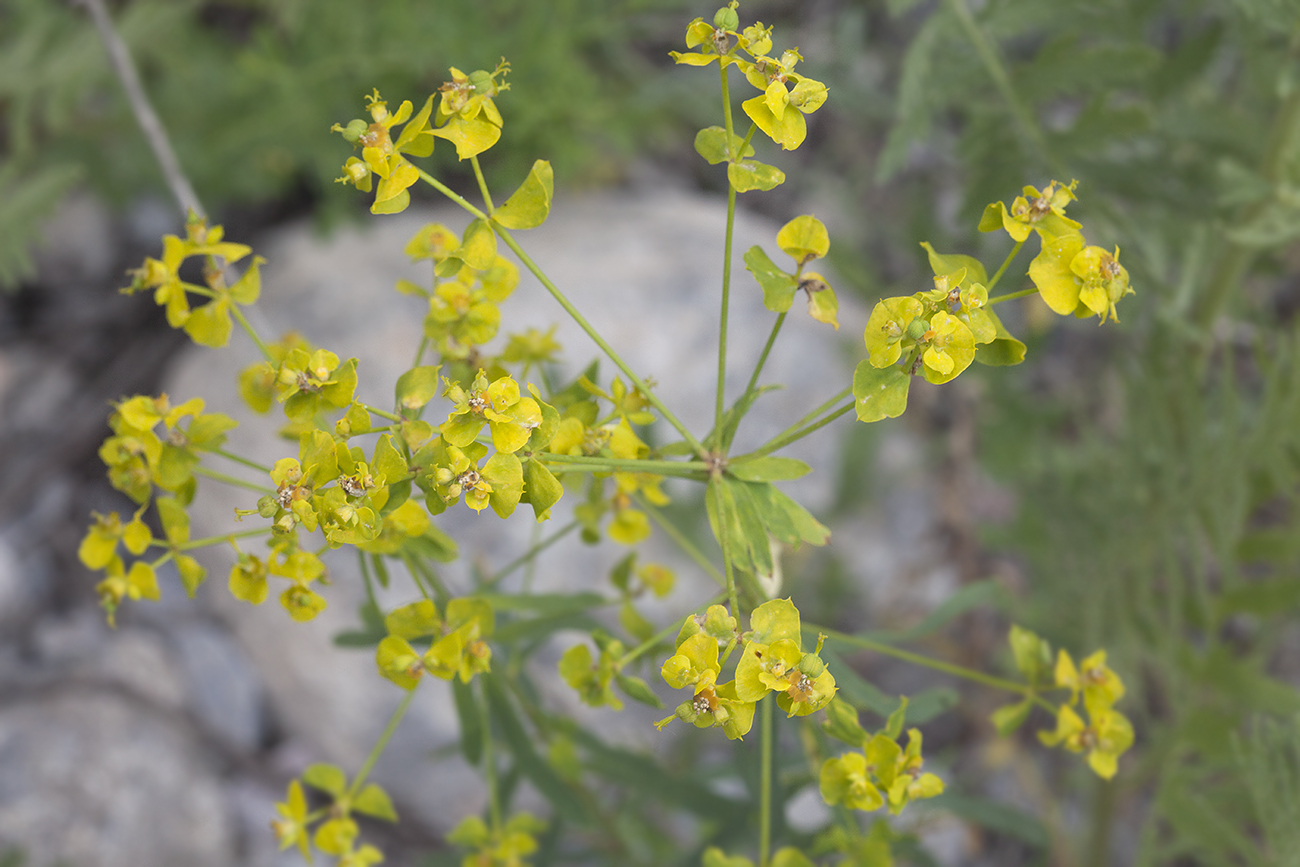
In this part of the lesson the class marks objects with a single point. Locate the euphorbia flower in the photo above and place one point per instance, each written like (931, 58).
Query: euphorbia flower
(1105, 738)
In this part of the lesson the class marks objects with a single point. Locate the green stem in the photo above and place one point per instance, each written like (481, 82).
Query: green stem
(419, 353)
(248, 329)
(586, 326)
(679, 469)
(489, 763)
(231, 480)
(798, 434)
(720, 398)
(1005, 264)
(683, 541)
(252, 465)
(762, 359)
(528, 556)
(450, 193)
(929, 662)
(765, 792)
(1011, 296)
(728, 568)
(216, 540)
(382, 413)
(380, 744)
(667, 632)
(840, 395)
(1002, 81)
(368, 582)
(482, 185)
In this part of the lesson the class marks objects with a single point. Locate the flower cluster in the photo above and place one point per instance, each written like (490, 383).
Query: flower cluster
(1108, 733)
(457, 643)
(772, 660)
(506, 846)
(881, 771)
(786, 95)
(337, 832)
(1105, 736)
(1071, 276)
(209, 324)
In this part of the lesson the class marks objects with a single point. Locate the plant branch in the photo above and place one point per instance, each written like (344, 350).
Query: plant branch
(252, 465)
(145, 116)
(586, 326)
(529, 555)
(231, 480)
(380, 744)
(683, 541)
(1011, 296)
(765, 777)
(1005, 263)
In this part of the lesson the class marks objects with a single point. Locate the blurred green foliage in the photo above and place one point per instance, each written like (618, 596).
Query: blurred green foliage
(248, 90)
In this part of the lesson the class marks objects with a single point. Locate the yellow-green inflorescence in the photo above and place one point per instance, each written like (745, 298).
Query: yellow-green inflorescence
(1105, 735)
(937, 333)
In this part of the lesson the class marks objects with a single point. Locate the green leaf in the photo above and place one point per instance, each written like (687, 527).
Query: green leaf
(769, 469)
(394, 205)
(541, 488)
(372, 800)
(711, 143)
(471, 722)
(529, 205)
(479, 247)
(175, 521)
(1010, 717)
(995, 816)
(638, 689)
(327, 778)
(417, 386)
(880, 392)
(749, 175)
(778, 286)
(506, 476)
(786, 519)
(527, 760)
(210, 324)
(894, 725)
(948, 264)
(1004, 350)
(804, 238)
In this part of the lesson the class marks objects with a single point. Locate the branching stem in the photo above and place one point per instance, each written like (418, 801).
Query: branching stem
(378, 749)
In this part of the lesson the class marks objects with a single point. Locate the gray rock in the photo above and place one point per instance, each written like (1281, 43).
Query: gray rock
(90, 779)
(224, 690)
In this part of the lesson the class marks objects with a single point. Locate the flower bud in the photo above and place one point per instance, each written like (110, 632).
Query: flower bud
(726, 18)
(916, 328)
(812, 665)
(354, 130)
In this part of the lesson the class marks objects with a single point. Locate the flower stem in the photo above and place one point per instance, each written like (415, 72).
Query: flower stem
(728, 568)
(683, 541)
(595, 464)
(382, 413)
(671, 629)
(231, 480)
(929, 662)
(528, 556)
(377, 750)
(252, 465)
(799, 433)
(251, 332)
(489, 763)
(1012, 296)
(1005, 263)
(720, 398)
(586, 326)
(216, 540)
(765, 791)
(450, 193)
(482, 185)
(762, 359)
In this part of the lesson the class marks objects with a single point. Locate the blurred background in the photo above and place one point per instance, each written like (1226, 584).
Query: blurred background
(1130, 487)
